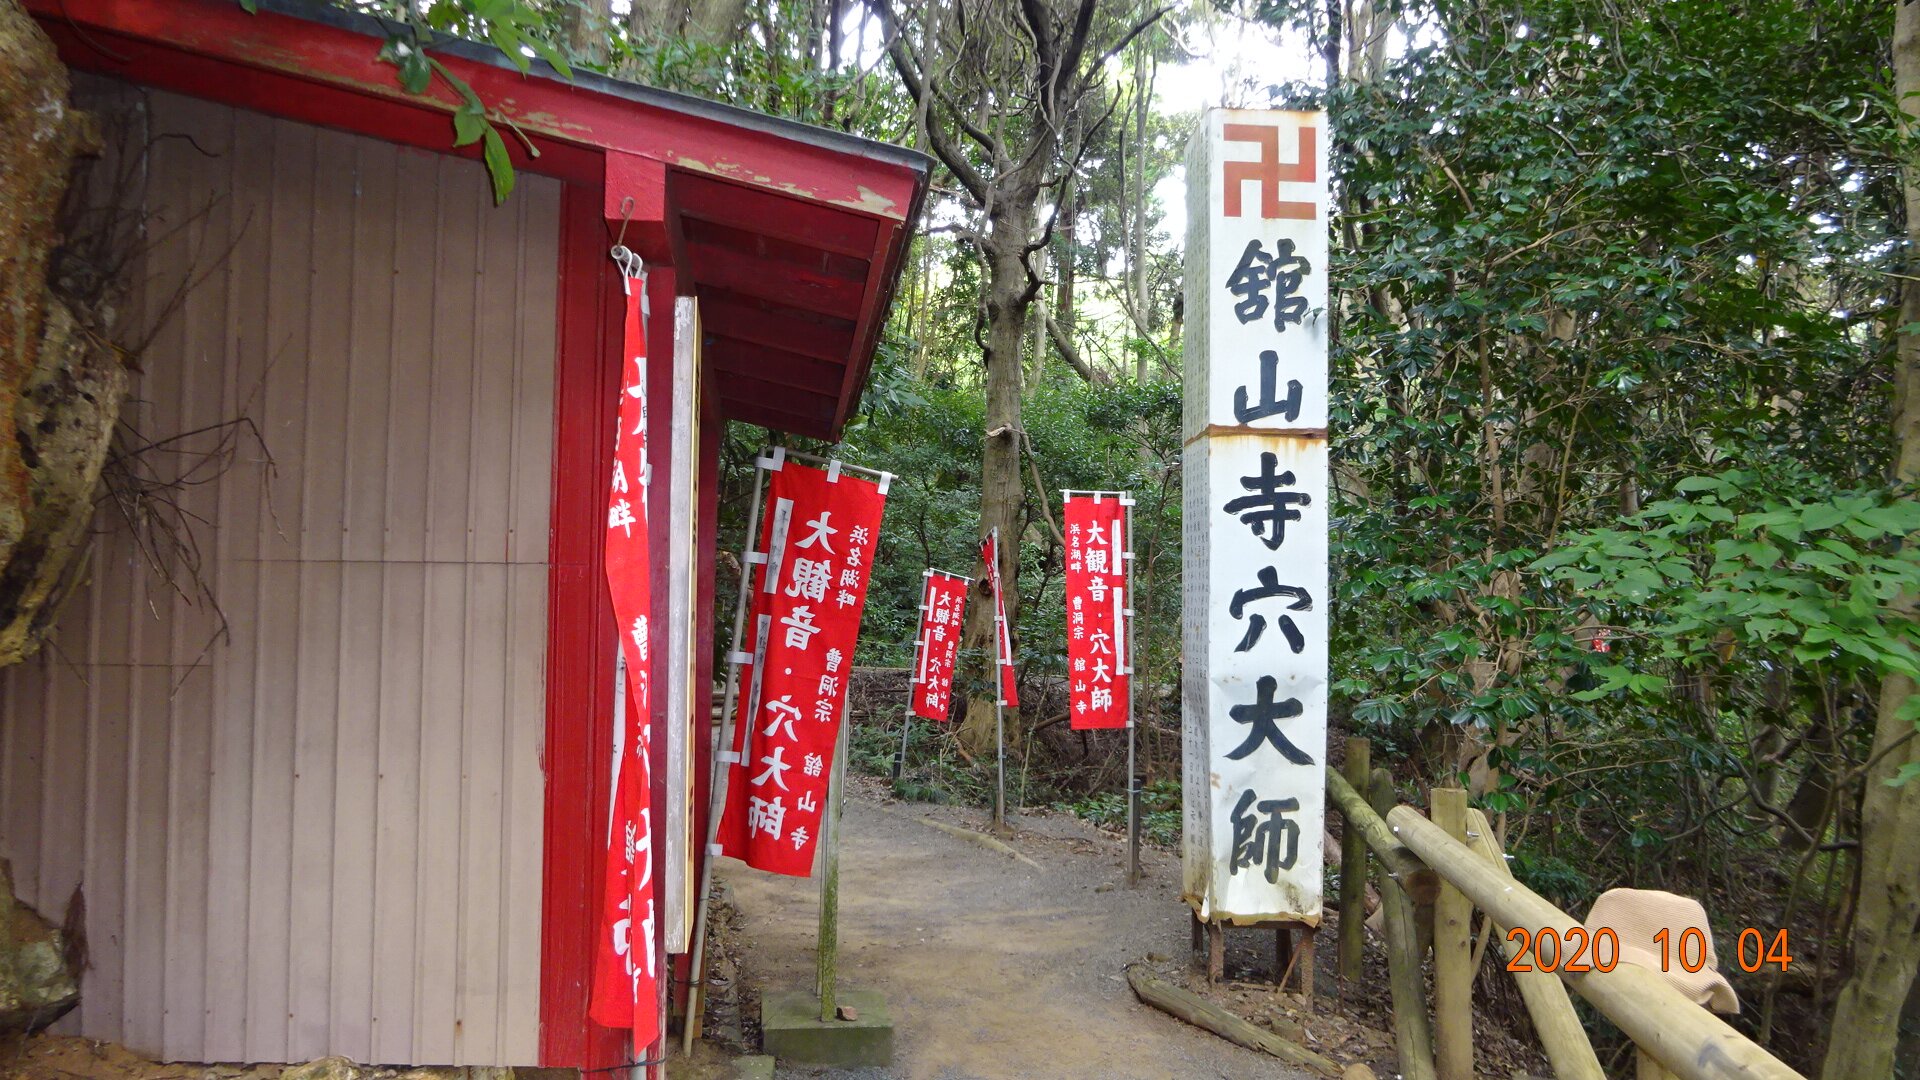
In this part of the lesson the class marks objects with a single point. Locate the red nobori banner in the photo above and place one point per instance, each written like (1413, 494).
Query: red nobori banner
(812, 592)
(1002, 633)
(942, 607)
(1099, 677)
(625, 984)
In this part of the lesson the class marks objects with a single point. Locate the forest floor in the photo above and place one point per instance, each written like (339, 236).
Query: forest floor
(995, 969)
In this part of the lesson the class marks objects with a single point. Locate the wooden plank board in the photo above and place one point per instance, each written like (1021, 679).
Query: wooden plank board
(248, 819)
(531, 450)
(451, 392)
(524, 826)
(396, 888)
(357, 681)
(244, 503)
(438, 885)
(482, 750)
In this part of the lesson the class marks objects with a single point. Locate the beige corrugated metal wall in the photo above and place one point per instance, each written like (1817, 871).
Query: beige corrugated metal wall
(318, 832)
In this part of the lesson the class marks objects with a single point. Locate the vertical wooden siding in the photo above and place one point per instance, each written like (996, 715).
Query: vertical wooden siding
(319, 831)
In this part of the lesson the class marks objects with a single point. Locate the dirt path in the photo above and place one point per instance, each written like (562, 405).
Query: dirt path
(992, 969)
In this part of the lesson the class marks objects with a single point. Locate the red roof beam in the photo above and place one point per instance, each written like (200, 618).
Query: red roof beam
(704, 199)
(333, 48)
(749, 326)
(782, 283)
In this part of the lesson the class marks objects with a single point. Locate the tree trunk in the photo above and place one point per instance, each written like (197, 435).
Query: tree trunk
(1068, 267)
(1886, 928)
(585, 25)
(1141, 91)
(1009, 224)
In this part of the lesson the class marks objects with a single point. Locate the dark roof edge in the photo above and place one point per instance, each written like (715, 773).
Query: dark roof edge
(375, 29)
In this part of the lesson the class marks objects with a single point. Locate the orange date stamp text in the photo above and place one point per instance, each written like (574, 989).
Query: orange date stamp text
(1578, 949)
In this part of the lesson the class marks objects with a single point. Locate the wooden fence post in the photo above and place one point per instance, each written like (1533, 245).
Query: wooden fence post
(1353, 872)
(1413, 1038)
(1452, 952)
(1561, 1035)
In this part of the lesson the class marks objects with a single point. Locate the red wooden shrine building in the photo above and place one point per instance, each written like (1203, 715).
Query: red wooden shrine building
(353, 799)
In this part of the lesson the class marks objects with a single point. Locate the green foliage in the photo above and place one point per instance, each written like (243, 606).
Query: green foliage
(1082, 436)
(1794, 582)
(1617, 293)
(513, 27)
(1588, 251)
(1159, 811)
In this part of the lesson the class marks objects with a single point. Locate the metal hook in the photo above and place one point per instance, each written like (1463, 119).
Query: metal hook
(626, 215)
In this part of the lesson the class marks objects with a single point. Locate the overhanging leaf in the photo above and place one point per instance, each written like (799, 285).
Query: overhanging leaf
(499, 165)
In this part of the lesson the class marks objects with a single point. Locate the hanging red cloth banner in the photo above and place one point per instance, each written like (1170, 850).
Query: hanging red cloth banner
(625, 984)
(1002, 633)
(819, 532)
(942, 607)
(1097, 625)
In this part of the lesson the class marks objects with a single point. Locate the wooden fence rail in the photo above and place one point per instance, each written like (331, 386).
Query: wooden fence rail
(1668, 1028)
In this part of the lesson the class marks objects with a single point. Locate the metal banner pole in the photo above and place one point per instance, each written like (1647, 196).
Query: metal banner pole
(999, 693)
(1133, 689)
(900, 756)
(717, 780)
(916, 675)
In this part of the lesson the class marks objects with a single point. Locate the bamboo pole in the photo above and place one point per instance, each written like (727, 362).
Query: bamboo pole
(1683, 1037)
(1561, 1035)
(1452, 951)
(1353, 869)
(1412, 1036)
(1400, 861)
(1646, 1068)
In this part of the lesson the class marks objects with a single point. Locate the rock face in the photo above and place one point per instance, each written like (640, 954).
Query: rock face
(61, 382)
(36, 987)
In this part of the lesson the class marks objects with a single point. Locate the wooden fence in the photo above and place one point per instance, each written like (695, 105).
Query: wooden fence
(1435, 870)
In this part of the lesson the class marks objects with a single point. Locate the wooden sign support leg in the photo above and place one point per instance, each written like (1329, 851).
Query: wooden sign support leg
(1304, 956)
(1216, 952)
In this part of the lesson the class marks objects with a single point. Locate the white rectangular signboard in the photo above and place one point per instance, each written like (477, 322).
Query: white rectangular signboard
(1254, 702)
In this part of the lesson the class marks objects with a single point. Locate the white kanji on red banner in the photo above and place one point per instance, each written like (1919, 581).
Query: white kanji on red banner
(785, 735)
(625, 984)
(943, 605)
(1098, 676)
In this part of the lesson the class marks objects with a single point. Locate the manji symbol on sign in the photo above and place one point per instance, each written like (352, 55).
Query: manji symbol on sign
(1254, 702)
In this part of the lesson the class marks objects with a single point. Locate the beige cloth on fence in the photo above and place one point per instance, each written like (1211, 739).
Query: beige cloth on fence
(1636, 915)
